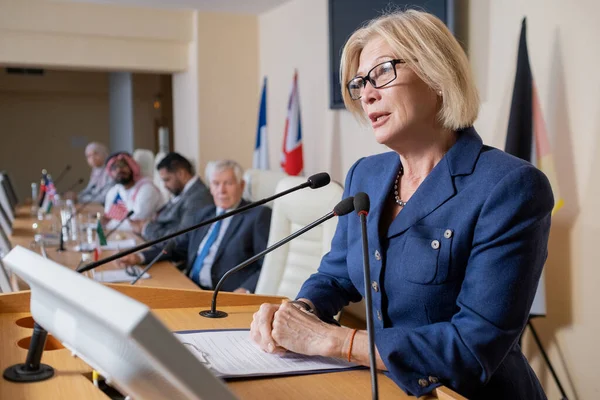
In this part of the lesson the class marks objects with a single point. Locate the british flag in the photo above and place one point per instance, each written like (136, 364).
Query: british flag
(49, 194)
(50, 188)
(118, 209)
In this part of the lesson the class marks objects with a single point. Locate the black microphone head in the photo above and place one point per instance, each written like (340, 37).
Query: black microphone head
(319, 180)
(344, 207)
(362, 204)
(129, 214)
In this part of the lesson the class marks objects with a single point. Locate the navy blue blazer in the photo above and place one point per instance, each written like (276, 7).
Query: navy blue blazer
(454, 276)
(246, 235)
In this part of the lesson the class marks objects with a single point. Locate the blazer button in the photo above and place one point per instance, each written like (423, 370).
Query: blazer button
(379, 315)
(377, 255)
(435, 244)
(433, 379)
(423, 382)
(375, 286)
(448, 234)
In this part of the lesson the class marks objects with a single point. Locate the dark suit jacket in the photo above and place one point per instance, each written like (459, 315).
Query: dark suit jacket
(246, 236)
(176, 216)
(454, 275)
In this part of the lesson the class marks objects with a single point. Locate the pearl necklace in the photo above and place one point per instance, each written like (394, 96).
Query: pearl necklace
(396, 188)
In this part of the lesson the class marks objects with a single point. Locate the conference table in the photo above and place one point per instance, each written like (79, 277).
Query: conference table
(176, 301)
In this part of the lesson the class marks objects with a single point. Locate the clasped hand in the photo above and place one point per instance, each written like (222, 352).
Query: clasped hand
(277, 328)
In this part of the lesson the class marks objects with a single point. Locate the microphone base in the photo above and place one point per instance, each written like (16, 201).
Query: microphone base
(211, 314)
(21, 374)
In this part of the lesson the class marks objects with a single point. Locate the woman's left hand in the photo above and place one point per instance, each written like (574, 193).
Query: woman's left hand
(302, 332)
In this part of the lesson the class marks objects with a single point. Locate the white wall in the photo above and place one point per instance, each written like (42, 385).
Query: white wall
(295, 36)
(185, 103)
(565, 56)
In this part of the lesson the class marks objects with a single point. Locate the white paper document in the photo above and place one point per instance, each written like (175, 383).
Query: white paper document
(232, 354)
(119, 275)
(110, 245)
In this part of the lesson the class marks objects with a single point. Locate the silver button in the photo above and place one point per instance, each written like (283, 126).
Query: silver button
(377, 255)
(435, 244)
(423, 382)
(375, 286)
(448, 234)
(379, 315)
(433, 379)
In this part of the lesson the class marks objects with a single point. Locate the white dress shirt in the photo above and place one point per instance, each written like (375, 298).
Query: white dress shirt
(205, 271)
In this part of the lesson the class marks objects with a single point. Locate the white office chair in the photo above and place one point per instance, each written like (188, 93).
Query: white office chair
(156, 177)
(5, 223)
(7, 283)
(261, 183)
(145, 158)
(5, 245)
(285, 270)
(9, 189)
(5, 204)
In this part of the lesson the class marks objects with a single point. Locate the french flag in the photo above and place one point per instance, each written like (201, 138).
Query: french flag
(261, 152)
(291, 160)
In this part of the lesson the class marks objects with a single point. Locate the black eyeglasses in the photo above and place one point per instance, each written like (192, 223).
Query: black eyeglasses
(379, 76)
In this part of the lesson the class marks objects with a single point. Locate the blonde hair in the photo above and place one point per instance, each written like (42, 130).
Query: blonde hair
(430, 50)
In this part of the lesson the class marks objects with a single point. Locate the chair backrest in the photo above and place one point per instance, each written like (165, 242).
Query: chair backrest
(156, 177)
(5, 245)
(5, 205)
(9, 189)
(261, 183)
(285, 269)
(146, 160)
(5, 224)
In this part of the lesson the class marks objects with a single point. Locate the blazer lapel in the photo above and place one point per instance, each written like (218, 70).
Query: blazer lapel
(432, 193)
(438, 187)
(379, 190)
(231, 230)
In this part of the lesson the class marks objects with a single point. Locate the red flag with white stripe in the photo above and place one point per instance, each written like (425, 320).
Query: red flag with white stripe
(291, 157)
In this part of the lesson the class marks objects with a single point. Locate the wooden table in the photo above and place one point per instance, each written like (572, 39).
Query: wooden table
(176, 301)
(178, 309)
(163, 274)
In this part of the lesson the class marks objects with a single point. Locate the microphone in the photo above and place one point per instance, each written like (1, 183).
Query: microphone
(362, 205)
(168, 247)
(344, 207)
(73, 186)
(62, 174)
(129, 214)
(314, 182)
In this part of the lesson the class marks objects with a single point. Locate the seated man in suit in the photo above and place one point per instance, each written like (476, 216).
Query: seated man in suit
(189, 195)
(213, 250)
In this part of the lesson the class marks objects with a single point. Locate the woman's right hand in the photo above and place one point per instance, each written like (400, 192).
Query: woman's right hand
(261, 327)
(130, 259)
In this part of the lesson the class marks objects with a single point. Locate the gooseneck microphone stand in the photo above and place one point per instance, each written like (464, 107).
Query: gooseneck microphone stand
(344, 207)
(362, 205)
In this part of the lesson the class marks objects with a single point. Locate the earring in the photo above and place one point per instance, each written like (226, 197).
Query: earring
(439, 93)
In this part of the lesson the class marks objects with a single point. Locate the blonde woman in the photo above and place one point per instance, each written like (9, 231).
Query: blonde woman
(457, 230)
